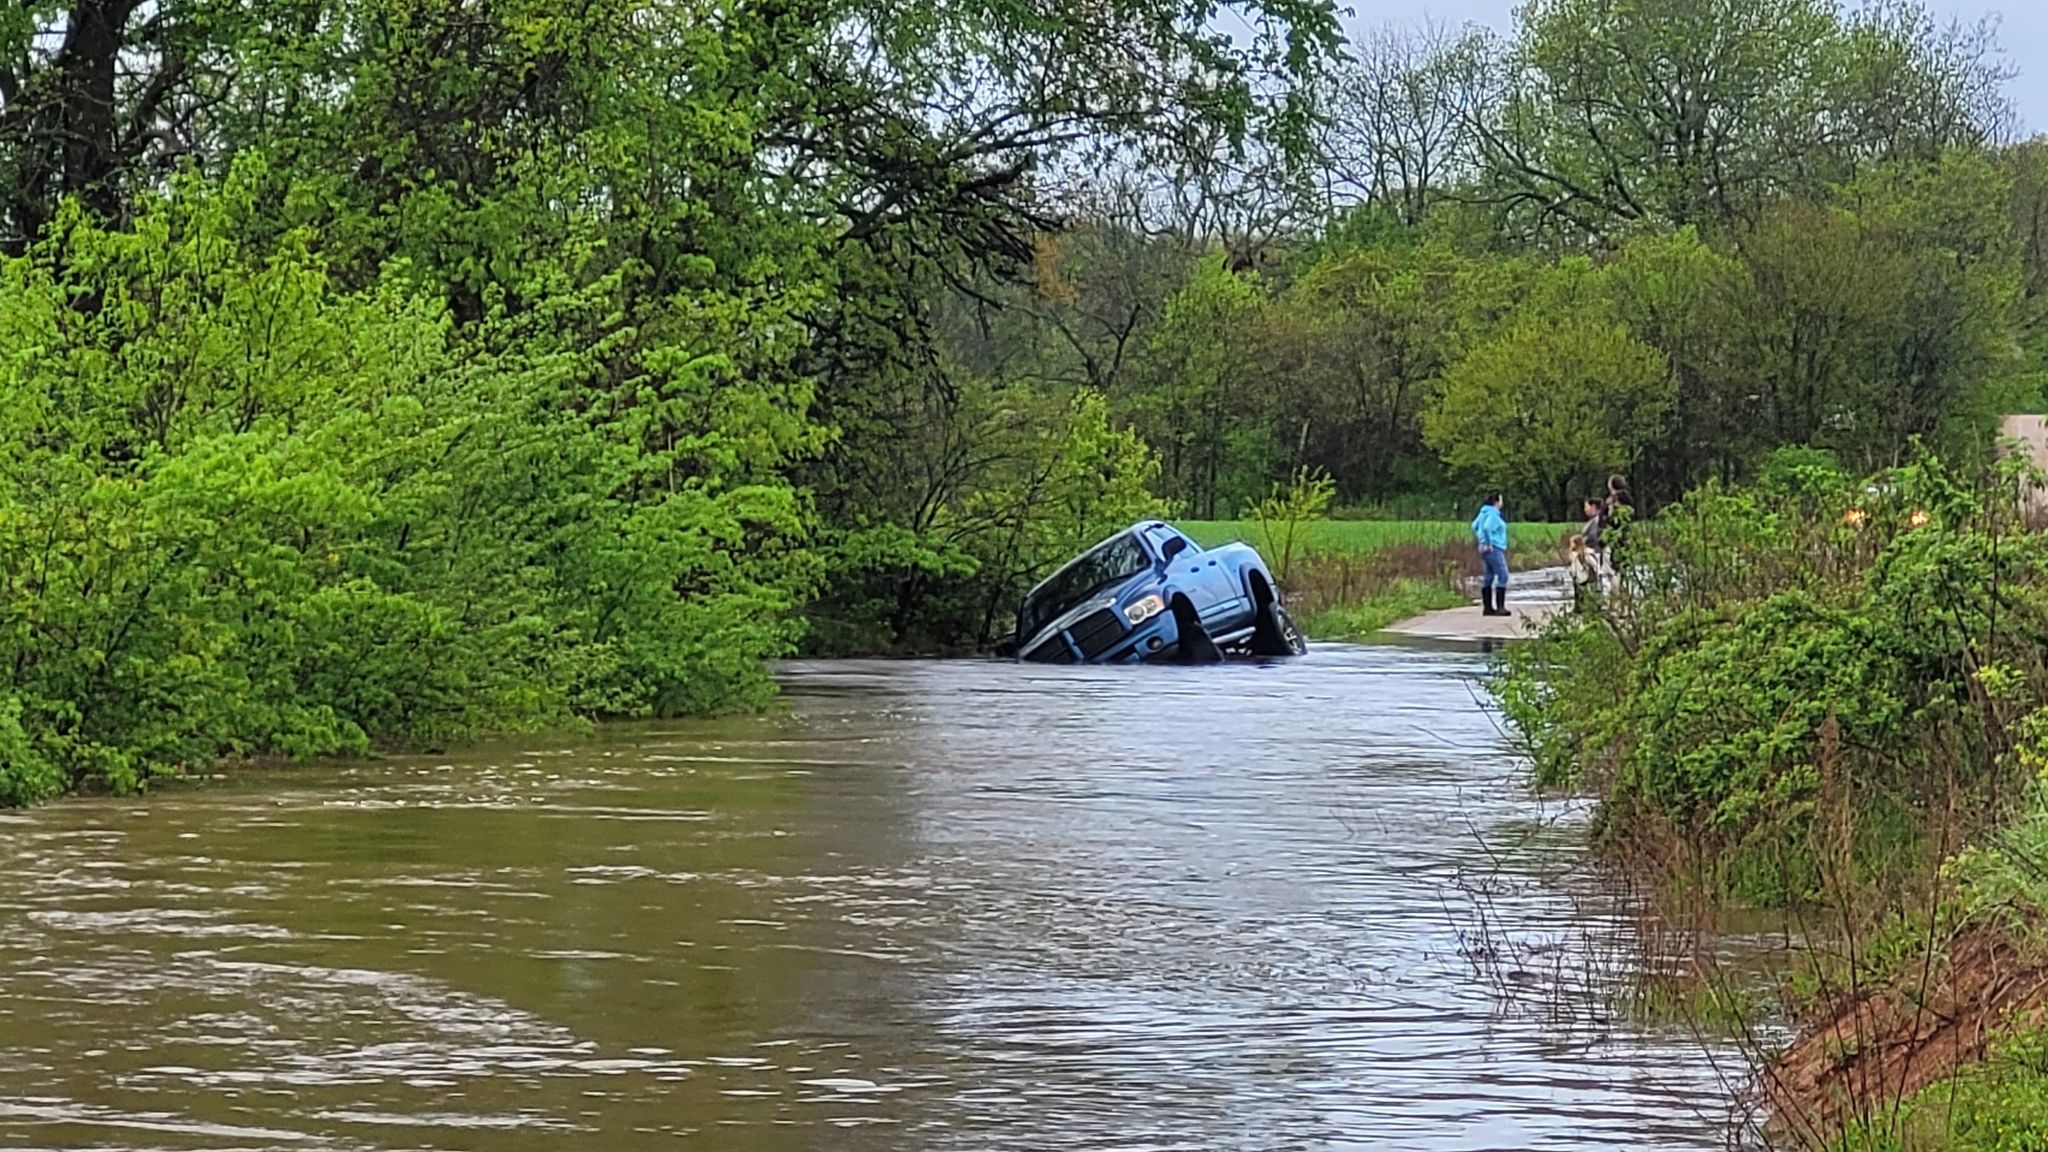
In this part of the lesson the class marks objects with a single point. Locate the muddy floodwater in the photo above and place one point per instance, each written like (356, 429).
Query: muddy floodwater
(934, 906)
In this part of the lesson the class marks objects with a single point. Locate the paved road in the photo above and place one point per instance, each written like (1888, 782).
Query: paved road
(1533, 597)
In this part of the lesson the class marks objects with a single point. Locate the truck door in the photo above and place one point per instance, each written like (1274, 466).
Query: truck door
(1198, 575)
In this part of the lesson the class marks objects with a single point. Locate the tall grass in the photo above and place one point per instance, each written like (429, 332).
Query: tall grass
(1357, 537)
(1342, 594)
(1397, 601)
(1345, 579)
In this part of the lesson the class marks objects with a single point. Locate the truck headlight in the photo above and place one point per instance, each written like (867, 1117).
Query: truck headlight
(1140, 611)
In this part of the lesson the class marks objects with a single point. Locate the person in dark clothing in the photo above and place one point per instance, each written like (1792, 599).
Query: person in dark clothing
(1585, 558)
(1617, 493)
(1616, 512)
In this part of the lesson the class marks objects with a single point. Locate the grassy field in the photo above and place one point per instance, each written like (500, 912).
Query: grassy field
(1358, 537)
(1350, 578)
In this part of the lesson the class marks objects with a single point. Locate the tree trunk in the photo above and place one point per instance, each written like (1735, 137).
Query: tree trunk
(86, 67)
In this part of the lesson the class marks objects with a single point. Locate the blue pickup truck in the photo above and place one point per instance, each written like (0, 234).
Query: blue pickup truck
(1149, 593)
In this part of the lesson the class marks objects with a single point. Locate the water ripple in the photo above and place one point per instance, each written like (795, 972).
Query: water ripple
(932, 907)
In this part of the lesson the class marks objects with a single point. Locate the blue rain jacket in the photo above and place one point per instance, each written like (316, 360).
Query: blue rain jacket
(1489, 528)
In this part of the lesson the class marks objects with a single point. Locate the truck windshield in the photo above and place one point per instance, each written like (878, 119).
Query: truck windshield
(1110, 562)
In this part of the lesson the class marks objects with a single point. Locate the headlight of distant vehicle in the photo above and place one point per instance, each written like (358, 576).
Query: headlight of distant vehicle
(1140, 611)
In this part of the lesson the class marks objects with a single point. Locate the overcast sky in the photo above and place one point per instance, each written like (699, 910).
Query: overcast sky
(2023, 34)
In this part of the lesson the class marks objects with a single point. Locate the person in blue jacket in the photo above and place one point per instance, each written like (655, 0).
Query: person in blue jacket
(1490, 530)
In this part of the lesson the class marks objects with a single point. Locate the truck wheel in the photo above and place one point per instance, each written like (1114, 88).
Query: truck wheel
(1196, 645)
(1275, 634)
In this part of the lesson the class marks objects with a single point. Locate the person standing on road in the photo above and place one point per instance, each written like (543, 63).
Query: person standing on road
(1599, 571)
(1490, 532)
(1615, 515)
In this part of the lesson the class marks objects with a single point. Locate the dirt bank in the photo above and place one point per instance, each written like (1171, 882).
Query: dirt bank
(1879, 1047)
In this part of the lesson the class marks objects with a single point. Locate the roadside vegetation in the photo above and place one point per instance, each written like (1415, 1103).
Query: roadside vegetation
(1828, 695)
(1357, 618)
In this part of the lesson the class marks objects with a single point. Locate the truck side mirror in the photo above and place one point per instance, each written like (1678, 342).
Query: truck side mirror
(1173, 547)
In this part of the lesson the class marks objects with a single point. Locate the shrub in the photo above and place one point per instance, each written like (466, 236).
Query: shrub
(246, 512)
(1795, 676)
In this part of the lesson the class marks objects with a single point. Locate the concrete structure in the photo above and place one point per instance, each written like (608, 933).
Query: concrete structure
(2029, 435)
(1466, 624)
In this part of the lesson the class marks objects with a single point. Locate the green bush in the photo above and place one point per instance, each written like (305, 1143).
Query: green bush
(246, 512)
(1794, 677)
(1558, 693)
(26, 773)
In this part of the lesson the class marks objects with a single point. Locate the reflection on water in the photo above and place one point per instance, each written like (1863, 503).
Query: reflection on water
(937, 906)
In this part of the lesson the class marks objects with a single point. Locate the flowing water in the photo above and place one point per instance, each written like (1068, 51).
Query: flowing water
(935, 906)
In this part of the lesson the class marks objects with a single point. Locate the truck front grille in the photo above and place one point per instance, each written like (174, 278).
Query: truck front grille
(1097, 632)
(1053, 651)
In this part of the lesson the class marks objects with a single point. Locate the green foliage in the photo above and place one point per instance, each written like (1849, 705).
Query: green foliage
(1353, 351)
(497, 362)
(2003, 880)
(1550, 406)
(1899, 302)
(1888, 315)
(1676, 112)
(244, 511)
(1215, 435)
(1804, 678)
(26, 773)
(1997, 1105)
(1562, 696)
(1723, 187)
(1284, 515)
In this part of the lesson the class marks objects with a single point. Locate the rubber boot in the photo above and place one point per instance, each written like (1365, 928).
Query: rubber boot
(1500, 601)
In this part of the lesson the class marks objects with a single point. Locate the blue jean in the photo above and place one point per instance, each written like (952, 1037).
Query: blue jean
(1496, 561)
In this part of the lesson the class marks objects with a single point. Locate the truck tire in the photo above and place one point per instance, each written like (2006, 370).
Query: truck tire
(1274, 632)
(1196, 646)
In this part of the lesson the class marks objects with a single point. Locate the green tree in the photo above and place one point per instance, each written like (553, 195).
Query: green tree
(246, 510)
(1550, 404)
(1355, 348)
(1677, 112)
(1678, 295)
(1205, 405)
(1892, 314)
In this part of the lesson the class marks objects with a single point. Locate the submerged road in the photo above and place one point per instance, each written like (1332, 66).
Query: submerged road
(936, 906)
